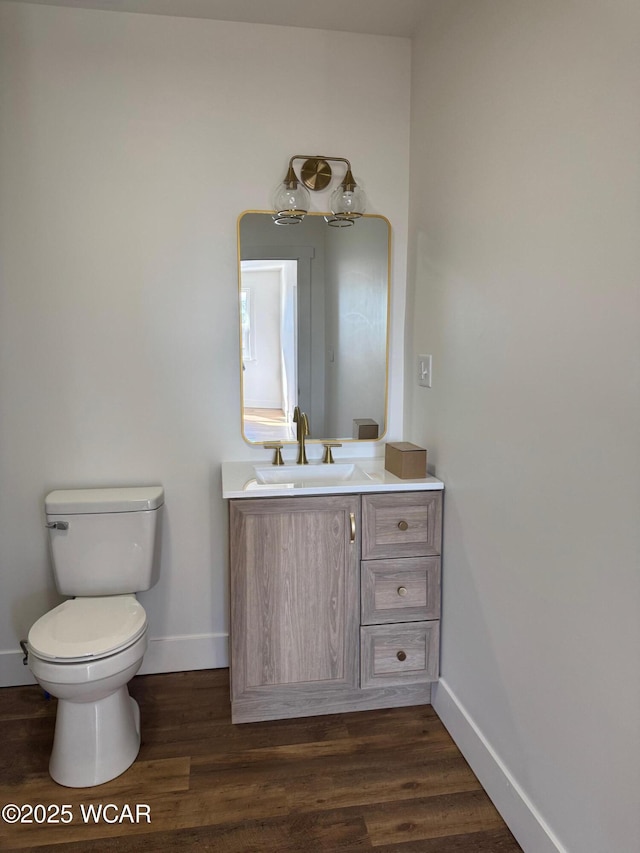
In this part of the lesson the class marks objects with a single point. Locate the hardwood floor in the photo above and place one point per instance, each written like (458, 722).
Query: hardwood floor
(389, 781)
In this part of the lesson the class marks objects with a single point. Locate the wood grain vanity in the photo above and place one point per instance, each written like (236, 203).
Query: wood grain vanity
(335, 601)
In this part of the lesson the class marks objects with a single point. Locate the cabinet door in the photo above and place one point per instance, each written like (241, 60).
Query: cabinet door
(294, 595)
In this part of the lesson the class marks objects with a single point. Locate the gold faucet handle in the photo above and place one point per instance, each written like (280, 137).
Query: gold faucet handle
(328, 455)
(277, 456)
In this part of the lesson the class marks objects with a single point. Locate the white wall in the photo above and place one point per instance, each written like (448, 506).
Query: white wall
(525, 271)
(129, 144)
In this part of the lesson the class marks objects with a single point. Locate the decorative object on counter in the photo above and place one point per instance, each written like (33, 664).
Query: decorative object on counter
(292, 199)
(365, 428)
(405, 460)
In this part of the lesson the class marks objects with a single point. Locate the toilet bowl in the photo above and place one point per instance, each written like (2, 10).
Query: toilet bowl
(85, 651)
(97, 734)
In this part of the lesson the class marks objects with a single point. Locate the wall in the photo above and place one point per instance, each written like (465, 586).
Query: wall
(129, 145)
(524, 271)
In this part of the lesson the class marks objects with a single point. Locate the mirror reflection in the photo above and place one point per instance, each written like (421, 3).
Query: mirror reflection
(314, 327)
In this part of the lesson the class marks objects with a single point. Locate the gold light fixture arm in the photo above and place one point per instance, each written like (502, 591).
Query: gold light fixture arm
(316, 172)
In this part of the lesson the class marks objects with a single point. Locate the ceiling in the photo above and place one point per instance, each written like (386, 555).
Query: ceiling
(379, 17)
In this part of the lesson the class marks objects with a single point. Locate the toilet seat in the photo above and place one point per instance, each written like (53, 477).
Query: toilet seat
(85, 629)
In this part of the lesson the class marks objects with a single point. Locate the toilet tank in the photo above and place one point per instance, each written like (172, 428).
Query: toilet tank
(105, 541)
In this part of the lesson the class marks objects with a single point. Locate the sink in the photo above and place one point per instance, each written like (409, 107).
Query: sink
(309, 475)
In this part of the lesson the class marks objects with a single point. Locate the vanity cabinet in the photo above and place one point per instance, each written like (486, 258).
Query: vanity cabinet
(334, 602)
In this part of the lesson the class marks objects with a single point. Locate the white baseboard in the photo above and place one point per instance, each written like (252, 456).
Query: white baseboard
(180, 654)
(523, 819)
(12, 671)
(164, 654)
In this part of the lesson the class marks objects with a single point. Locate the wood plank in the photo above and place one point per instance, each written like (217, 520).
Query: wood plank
(332, 832)
(222, 804)
(379, 746)
(432, 817)
(356, 786)
(148, 782)
(490, 841)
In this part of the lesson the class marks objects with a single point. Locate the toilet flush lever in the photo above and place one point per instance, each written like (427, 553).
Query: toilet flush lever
(57, 525)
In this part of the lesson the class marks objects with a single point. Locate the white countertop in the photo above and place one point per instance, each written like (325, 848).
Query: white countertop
(239, 480)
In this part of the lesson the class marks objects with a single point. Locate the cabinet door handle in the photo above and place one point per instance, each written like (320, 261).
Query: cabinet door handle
(402, 590)
(401, 655)
(403, 525)
(352, 522)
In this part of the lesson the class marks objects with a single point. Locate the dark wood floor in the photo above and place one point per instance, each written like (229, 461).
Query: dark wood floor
(377, 780)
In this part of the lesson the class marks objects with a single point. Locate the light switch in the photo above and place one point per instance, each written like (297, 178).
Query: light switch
(424, 371)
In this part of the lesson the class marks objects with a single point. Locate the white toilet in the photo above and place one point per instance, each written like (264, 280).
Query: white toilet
(105, 547)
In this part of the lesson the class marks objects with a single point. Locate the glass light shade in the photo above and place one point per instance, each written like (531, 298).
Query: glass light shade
(340, 220)
(291, 203)
(350, 203)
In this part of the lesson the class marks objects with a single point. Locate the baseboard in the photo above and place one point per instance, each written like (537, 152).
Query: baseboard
(183, 653)
(523, 819)
(164, 654)
(12, 671)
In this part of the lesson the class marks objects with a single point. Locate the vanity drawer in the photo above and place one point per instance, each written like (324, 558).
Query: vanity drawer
(404, 590)
(392, 655)
(401, 524)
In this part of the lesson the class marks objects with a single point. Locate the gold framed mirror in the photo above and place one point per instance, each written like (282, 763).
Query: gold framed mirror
(314, 327)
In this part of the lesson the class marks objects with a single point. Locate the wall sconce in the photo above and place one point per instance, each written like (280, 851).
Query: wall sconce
(292, 199)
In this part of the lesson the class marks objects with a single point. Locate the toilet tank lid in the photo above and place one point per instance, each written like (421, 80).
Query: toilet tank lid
(124, 499)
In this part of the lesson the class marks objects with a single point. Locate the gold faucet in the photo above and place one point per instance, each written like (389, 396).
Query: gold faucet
(302, 431)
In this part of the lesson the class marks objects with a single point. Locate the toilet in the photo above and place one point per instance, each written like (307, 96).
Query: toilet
(105, 547)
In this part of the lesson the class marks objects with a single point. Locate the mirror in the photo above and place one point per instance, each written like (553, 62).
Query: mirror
(314, 319)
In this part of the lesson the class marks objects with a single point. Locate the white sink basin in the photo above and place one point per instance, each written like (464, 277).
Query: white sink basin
(317, 474)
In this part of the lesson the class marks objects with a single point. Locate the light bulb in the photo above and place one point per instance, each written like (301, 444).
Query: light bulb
(348, 200)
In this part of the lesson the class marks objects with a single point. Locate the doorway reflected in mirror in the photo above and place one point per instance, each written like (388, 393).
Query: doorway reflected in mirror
(268, 308)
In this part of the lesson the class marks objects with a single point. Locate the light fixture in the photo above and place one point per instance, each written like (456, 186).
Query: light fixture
(291, 201)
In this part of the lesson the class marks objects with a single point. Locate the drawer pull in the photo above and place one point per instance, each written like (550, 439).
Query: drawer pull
(402, 590)
(401, 655)
(352, 522)
(403, 525)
